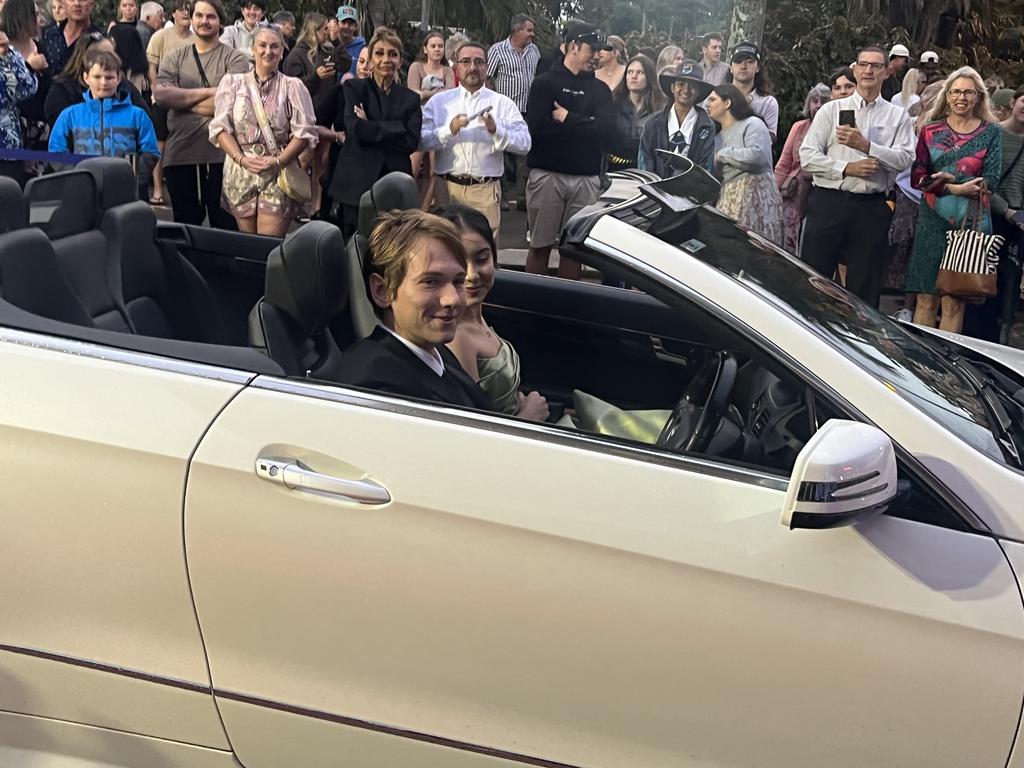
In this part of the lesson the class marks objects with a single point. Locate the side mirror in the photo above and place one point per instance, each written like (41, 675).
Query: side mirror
(844, 473)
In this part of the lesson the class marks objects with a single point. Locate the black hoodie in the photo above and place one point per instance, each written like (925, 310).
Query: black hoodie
(575, 146)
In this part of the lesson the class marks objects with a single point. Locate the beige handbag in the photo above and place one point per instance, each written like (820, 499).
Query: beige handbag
(291, 178)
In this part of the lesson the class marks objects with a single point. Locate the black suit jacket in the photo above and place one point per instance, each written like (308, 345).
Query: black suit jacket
(383, 363)
(381, 143)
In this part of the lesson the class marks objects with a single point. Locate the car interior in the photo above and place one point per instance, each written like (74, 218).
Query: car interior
(82, 258)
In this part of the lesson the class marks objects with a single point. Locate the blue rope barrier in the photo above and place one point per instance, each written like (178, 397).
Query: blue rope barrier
(32, 155)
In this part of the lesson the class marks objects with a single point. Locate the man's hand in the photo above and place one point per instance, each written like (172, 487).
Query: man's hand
(458, 123)
(489, 123)
(560, 113)
(853, 138)
(1010, 213)
(532, 406)
(861, 169)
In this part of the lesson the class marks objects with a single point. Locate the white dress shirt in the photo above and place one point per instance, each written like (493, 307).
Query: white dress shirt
(473, 151)
(888, 128)
(432, 361)
(687, 128)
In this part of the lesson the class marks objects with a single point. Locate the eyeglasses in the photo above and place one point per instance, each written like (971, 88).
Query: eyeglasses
(870, 65)
(471, 62)
(969, 93)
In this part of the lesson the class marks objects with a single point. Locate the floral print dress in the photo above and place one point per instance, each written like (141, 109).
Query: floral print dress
(18, 83)
(966, 156)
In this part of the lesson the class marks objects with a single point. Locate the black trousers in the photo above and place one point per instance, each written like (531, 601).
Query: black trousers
(195, 194)
(842, 227)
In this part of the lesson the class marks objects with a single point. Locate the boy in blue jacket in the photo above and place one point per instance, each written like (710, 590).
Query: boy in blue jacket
(104, 124)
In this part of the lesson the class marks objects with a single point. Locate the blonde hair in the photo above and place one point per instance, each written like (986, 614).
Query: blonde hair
(388, 36)
(311, 23)
(982, 109)
(928, 96)
(395, 238)
(911, 83)
(667, 57)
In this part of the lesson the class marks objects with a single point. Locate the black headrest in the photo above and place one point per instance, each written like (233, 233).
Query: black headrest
(62, 204)
(115, 180)
(397, 190)
(306, 276)
(30, 278)
(12, 205)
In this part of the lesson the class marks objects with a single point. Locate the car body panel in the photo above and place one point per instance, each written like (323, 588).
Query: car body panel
(530, 592)
(39, 742)
(96, 451)
(985, 486)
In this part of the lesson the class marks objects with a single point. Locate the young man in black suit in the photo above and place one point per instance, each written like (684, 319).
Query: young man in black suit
(382, 122)
(417, 270)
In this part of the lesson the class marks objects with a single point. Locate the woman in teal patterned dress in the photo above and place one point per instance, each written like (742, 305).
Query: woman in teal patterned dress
(485, 356)
(959, 158)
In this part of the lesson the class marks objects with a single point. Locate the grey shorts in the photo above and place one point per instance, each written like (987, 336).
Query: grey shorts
(552, 199)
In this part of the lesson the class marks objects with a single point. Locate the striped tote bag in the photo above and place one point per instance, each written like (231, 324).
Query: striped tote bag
(968, 267)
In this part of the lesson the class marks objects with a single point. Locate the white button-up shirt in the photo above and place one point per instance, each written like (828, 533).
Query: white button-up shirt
(432, 361)
(888, 128)
(473, 151)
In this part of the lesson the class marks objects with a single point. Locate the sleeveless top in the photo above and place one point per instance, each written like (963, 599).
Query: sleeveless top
(499, 377)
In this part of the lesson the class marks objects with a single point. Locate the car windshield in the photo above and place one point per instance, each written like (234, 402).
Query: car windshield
(907, 365)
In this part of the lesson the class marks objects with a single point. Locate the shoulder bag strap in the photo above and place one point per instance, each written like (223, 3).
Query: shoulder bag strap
(261, 115)
(199, 66)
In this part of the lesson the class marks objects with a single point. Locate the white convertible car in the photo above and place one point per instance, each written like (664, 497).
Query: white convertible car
(212, 559)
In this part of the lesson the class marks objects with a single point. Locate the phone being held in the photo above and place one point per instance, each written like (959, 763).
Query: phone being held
(847, 118)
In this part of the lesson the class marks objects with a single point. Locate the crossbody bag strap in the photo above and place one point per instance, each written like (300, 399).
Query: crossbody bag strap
(199, 66)
(261, 115)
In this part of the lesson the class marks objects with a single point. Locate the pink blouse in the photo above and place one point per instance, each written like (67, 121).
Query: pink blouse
(285, 100)
(789, 160)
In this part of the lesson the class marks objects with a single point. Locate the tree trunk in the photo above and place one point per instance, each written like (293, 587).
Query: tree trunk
(747, 22)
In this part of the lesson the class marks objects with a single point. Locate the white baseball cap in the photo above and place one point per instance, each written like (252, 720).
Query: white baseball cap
(899, 50)
(929, 57)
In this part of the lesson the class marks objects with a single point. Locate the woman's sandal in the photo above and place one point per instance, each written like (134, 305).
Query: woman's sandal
(156, 201)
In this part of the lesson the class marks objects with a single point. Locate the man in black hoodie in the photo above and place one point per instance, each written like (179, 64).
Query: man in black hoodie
(571, 118)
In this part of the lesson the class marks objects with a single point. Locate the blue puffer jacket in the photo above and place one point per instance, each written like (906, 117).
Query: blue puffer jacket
(111, 127)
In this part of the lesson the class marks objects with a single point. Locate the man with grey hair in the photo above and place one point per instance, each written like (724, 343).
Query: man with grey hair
(151, 18)
(511, 67)
(285, 21)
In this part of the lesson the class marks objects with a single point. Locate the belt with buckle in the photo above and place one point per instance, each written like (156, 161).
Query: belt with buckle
(469, 181)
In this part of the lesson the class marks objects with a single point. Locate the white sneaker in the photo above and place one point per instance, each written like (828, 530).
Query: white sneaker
(904, 315)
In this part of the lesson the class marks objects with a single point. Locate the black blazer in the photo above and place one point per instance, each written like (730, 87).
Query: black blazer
(383, 363)
(381, 143)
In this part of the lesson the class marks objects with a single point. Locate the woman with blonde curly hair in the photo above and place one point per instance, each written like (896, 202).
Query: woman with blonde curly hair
(959, 158)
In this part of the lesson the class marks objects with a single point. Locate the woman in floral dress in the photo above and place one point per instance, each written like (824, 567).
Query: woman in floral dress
(251, 191)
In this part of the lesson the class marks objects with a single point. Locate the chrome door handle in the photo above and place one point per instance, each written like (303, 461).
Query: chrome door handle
(296, 476)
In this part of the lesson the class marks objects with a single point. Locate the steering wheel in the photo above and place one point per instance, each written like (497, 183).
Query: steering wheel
(695, 418)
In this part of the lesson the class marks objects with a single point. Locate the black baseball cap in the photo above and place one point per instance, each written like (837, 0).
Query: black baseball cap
(582, 32)
(745, 51)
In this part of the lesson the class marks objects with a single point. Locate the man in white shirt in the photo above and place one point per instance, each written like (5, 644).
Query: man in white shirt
(715, 70)
(854, 150)
(469, 146)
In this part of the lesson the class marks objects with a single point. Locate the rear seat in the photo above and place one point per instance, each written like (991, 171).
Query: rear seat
(31, 280)
(104, 241)
(65, 206)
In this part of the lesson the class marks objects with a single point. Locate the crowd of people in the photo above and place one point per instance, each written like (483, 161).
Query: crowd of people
(259, 123)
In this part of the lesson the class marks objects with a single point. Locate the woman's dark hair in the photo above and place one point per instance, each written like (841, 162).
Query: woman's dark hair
(19, 19)
(426, 39)
(841, 72)
(128, 45)
(470, 219)
(651, 101)
(739, 106)
(75, 67)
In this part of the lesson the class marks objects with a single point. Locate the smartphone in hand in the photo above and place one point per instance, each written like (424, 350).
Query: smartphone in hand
(481, 113)
(847, 118)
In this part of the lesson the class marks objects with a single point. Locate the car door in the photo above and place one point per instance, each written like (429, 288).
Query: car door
(436, 587)
(97, 626)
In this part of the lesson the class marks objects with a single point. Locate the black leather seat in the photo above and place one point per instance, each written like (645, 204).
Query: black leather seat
(305, 288)
(12, 206)
(395, 191)
(154, 287)
(31, 279)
